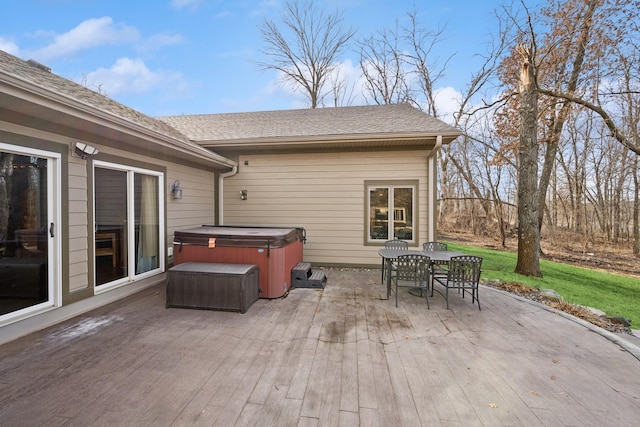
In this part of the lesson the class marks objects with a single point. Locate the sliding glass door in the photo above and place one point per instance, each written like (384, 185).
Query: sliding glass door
(29, 244)
(111, 231)
(128, 238)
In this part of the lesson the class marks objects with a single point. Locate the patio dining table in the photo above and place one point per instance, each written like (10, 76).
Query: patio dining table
(436, 257)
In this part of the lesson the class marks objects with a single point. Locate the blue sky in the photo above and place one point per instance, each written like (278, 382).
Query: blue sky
(171, 57)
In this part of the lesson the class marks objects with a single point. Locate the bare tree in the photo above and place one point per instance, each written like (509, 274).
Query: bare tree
(401, 65)
(427, 68)
(573, 42)
(566, 51)
(608, 44)
(342, 91)
(572, 170)
(384, 68)
(306, 47)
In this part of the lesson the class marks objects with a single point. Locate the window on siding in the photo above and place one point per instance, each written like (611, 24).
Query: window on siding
(128, 215)
(391, 212)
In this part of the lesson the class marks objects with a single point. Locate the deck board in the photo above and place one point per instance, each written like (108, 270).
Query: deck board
(343, 355)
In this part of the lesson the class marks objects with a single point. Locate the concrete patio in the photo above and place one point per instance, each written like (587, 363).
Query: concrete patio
(344, 356)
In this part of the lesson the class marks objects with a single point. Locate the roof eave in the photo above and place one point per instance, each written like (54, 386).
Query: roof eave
(284, 142)
(37, 95)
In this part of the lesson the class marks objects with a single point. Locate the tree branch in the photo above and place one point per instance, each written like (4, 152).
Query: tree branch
(608, 121)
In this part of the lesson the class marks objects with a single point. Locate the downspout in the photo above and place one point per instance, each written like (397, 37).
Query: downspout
(221, 177)
(432, 212)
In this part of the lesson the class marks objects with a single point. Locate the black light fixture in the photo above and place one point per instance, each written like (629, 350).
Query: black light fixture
(176, 190)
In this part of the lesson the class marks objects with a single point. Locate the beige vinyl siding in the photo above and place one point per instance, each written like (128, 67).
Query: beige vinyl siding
(195, 208)
(325, 194)
(78, 225)
(75, 224)
(197, 205)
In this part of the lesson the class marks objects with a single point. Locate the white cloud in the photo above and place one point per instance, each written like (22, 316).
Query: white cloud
(182, 4)
(264, 7)
(88, 34)
(447, 101)
(278, 87)
(223, 14)
(157, 41)
(132, 77)
(9, 46)
(349, 77)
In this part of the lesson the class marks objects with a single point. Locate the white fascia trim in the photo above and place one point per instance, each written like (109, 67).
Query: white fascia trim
(52, 100)
(284, 141)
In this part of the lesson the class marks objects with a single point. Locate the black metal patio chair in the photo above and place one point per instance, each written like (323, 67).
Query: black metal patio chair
(392, 244)
(463, 274)
(437, 268)
(411, 271)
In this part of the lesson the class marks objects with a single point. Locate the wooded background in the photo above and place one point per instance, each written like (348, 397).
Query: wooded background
(550, 117)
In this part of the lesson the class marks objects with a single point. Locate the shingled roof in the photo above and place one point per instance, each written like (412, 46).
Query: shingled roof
(48, 80)
(342, 127)
(366, 123)
(26, 87)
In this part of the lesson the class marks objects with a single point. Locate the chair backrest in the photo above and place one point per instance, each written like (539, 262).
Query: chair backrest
(434, 246)
(414, 267)
(396, 244)
(465, 269)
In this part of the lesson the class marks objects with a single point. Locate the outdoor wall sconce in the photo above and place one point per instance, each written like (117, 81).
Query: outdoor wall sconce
(84, 151)
(243, 194)
(176, 190)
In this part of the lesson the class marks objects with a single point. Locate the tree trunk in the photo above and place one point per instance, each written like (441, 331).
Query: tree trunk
(636, 210)
(617, 195)
(561, 116)
(545, 178)
(528, 262)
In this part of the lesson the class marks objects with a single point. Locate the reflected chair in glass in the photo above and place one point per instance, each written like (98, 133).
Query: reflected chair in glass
(411, 271)
(463, 274)
(392, 244)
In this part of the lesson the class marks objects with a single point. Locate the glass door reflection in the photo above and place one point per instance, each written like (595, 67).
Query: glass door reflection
(111, 237)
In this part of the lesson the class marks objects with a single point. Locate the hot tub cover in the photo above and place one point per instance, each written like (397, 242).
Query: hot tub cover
(240, 236)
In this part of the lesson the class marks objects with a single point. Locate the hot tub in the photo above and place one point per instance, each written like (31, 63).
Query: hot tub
(275, 250)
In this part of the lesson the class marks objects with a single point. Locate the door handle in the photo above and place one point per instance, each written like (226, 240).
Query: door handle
(51, 229)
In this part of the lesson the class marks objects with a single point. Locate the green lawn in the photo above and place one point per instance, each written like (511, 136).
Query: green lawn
(614, 294)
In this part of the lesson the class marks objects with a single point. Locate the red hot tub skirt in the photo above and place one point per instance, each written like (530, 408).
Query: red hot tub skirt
(275, 250)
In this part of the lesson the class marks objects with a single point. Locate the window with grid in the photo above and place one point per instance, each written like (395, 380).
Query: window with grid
(391, 208)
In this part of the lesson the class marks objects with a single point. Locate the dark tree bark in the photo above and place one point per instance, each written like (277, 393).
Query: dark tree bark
(528, 262)
(636, 209)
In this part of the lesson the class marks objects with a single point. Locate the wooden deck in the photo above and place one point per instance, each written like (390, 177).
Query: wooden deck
(339, 357)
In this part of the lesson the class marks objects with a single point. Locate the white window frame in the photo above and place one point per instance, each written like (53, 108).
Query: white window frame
(132, 276)
(391, 186)
(54, 244)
